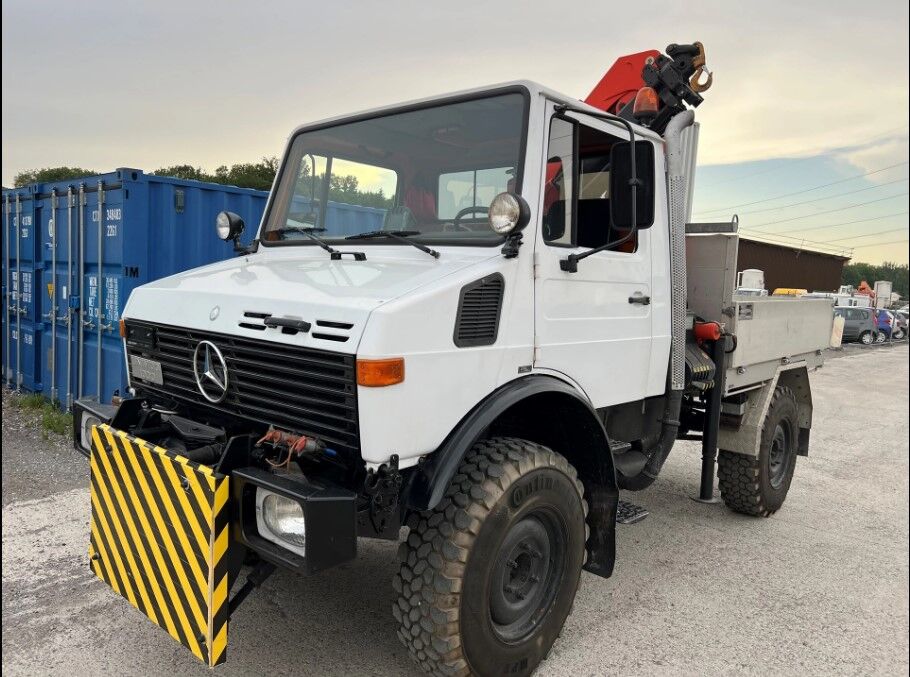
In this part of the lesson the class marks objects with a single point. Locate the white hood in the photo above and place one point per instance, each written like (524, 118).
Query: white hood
(300, 283)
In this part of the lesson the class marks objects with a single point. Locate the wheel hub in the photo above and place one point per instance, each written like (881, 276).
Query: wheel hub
(779, 457)
(525, 576)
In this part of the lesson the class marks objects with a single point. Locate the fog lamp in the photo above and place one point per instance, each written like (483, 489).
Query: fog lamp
(508, 211)
(85, 436)
(281, 520)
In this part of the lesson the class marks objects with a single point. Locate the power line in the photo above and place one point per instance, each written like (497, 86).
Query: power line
(813, 154)
(876, 244)
(805, 190)
(878, 232)
(845, 223)
(829, 211)
(800, 240)
(820, 199)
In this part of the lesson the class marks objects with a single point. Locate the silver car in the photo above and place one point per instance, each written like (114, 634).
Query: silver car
(859, 324)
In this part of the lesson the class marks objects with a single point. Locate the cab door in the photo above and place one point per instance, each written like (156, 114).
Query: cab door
(593, 325)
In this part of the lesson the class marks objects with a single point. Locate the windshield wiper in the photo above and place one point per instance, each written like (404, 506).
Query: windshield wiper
(335, 253)
(399, 235)
(309, 233)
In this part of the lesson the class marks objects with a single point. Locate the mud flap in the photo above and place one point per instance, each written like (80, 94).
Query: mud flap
(160, 538)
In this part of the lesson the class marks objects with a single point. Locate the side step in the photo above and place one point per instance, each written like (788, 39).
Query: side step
(629, 513)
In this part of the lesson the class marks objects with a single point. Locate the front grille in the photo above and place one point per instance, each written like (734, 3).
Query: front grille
(304, 390)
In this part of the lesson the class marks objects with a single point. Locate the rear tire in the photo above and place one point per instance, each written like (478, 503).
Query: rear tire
(880, 338)
(488, 577)
(866, 338)
(759, 486)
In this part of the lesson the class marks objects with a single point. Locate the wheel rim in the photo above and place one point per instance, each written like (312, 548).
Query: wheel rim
(866, 338)
(526, 575)
(779, 458)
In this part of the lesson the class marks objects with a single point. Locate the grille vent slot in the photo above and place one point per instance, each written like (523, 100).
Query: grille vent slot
(479, 308)
(252, 315)
(329, 324)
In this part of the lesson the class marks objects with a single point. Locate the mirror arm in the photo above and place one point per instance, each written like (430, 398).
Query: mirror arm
(513, 242)
(242, 250)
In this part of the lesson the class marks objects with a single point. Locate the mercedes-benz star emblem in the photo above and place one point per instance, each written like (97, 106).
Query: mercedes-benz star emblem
(211, 372)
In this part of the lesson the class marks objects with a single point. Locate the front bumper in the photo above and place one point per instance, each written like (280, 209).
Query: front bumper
(170, 535)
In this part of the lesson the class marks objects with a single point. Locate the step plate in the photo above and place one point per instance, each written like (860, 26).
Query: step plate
(629, 513)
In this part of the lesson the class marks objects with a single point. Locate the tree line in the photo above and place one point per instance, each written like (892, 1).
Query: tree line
(255, 175)
(854, 273)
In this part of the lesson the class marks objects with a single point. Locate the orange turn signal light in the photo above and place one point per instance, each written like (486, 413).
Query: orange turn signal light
(647, 103)
(122, 328)
(378, 373)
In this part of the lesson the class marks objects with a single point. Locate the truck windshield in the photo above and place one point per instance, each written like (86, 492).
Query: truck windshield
(430, 171)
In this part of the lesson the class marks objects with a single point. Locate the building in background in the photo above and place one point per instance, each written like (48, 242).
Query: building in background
(791, 267)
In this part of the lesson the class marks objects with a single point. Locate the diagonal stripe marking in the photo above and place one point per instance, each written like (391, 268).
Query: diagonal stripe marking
(178, 564)
(128, 544)
(101, 498)
(158, 480)
(153, 545)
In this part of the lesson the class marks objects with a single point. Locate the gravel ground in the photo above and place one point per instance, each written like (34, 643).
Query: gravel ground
(820, 588)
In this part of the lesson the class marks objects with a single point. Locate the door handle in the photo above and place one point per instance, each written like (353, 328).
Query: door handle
(640, 300)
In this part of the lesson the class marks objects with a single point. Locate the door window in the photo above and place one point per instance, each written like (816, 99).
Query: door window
(577, 188)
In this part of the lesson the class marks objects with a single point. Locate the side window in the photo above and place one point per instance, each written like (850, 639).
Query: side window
(558, 194)
(579, 181)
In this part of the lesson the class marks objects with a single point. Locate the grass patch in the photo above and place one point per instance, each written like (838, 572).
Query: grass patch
(30, 402)
(53, 420)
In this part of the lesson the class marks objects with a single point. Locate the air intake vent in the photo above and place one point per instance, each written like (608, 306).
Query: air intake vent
(252, 315)
(479, 307)
(335, 327)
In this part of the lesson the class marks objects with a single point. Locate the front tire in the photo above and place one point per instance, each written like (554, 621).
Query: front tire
(759, 486)
(488, 577)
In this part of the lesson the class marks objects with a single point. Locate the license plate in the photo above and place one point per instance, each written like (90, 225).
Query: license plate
(146, 370)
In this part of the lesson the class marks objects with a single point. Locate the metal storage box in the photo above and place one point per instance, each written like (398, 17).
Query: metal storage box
(140, 227)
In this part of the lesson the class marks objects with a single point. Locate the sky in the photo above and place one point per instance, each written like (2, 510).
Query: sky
(804, 134)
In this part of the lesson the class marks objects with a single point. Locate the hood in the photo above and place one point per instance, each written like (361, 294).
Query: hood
(335, 297)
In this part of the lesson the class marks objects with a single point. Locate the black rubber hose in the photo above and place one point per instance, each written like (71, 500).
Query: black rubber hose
(667, 434)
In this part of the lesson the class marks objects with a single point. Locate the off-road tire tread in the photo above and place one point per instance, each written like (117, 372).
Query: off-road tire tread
(434, 556)
(739, 476)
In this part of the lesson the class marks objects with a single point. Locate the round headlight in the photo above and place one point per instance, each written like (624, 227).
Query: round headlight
(284, 518)
(223, 225)
(505, 212)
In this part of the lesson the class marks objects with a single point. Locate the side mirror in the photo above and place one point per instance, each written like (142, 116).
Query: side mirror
(621, 187)
(229, 226)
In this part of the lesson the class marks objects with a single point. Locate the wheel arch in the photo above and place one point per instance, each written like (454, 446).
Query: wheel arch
(546, 410)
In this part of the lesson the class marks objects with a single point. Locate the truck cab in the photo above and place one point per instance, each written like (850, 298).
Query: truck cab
(466, 316)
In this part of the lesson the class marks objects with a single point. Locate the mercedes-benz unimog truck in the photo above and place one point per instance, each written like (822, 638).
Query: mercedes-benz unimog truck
(467, 323)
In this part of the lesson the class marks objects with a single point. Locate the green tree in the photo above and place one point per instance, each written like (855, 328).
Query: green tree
(50, 175)
(256, 175)
(897, 273)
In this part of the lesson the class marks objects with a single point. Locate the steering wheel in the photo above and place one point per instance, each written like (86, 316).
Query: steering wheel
(477, 209)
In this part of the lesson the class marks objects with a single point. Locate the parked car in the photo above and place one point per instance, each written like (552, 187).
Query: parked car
(884, 320)
(900, 330)
(859, 324)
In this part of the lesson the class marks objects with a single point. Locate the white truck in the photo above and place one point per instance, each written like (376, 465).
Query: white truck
(524, 328)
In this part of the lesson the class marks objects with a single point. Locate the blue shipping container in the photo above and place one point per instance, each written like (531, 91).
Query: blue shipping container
(63, 304)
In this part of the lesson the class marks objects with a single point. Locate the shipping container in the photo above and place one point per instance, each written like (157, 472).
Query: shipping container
(63, 304)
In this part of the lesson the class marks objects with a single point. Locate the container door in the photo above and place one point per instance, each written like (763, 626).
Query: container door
(102, 371)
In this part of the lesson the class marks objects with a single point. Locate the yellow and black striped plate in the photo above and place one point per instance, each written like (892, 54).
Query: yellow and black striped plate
(159, 537)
